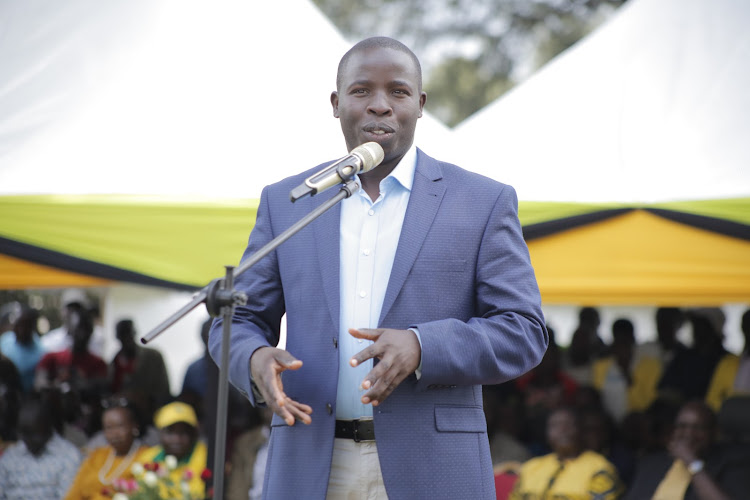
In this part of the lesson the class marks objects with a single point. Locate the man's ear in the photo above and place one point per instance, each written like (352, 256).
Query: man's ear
(422, 100)
(335, 103)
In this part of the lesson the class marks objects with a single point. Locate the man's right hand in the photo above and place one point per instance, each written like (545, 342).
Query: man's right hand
(266, 365)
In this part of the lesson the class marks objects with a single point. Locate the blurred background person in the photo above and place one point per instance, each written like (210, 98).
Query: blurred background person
(42, 464)
(543, 389)
(75, 366)
(732, 374)
(22, 346)
(669, 320)
(695, 465)
(586, 346)
(625, 382)
(104, 465)
(74, 301)
(179, 437)
(688, 376)
(139, 369)
(569, 471)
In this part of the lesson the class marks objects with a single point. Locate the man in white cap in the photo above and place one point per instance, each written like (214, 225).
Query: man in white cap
(73, 300)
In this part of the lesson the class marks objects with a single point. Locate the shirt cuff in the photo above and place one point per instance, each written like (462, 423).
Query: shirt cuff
(418, 371)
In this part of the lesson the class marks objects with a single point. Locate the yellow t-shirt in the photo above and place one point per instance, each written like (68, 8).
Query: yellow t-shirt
(87, 484)
(722, 381)
(587, 476)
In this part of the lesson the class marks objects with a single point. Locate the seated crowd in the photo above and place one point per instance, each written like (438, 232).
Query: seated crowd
(73, 426)
(655, 421)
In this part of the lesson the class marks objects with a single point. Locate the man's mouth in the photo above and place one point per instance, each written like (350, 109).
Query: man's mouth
(378, 130)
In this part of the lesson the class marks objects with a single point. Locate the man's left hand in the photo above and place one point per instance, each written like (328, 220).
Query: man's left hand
(399, 353)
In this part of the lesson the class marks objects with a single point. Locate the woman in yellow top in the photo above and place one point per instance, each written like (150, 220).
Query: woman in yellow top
(570, 472)
(109, 464)
(178, 435)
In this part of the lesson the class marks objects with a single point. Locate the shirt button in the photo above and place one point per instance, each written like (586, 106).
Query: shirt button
(371, 212)
(359, 341)
(363, 294)
(329, 408)
(366, 251)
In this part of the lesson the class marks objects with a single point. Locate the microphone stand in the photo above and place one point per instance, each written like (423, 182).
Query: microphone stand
(221, 299)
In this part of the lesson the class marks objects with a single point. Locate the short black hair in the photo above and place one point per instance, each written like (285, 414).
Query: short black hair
(382, 42)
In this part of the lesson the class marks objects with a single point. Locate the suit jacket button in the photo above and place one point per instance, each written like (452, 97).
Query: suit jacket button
(329, 408)
(335, 343)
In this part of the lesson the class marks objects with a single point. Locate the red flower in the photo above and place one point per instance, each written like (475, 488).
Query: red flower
(206, 474)
(153, 466)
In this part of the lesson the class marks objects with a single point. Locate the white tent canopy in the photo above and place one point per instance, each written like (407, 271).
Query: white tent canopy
(170, 97)
(653, 106)
(176, 97)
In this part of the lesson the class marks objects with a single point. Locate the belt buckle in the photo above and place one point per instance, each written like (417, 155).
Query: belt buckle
(355, 431)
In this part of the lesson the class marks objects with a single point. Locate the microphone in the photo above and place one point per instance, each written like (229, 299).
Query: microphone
(362, 159)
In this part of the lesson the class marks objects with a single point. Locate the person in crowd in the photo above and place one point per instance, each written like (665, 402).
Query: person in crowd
(10, 400)
(570, 471)
(75, 367)
(732, 374)
(248, 460)
(689, 374)
(105, 465)
(179, 438)
(149, 435)
(505, 426)
(424, 269)
(138, 369)
(41, 464)
(586, 346)
(600, 434)
(543, 389)
(669, 321)
(9, 312)
(196, 379)
(9, 375)
(695, 467)
(74, 302)
(23, 347)
(625, 382)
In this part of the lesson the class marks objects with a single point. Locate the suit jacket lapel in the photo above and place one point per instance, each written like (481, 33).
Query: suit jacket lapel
(327, 245)
(424, 201)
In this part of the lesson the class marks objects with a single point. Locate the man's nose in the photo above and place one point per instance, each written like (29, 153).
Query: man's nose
(379, 104)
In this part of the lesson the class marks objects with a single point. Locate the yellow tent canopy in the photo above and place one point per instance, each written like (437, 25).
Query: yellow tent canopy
(671, 253)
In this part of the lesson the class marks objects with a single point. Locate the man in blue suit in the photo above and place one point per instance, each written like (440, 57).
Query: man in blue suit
(401, 302)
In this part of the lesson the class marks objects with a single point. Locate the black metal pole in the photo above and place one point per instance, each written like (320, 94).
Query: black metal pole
(222, 400)
(220, 298)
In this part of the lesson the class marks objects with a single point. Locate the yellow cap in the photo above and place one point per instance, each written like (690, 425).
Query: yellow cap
(173, 413)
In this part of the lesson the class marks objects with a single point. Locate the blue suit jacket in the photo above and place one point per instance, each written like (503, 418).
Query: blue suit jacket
(461, 275)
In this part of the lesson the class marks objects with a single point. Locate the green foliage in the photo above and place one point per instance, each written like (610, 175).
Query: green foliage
(472, 51)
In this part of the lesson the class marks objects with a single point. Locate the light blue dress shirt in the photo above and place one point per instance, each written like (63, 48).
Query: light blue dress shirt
(369, 233)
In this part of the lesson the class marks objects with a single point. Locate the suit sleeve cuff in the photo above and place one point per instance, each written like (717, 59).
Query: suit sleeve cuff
(418, 371)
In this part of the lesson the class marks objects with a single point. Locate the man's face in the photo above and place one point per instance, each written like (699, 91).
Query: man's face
(35, 434)
(178, 439)
(693, 428)
(562, 432)
(379, 100)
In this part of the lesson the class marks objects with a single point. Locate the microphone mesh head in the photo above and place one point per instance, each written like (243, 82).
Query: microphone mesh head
(371, 153)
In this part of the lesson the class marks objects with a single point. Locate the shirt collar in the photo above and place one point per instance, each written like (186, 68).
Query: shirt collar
(404, 171)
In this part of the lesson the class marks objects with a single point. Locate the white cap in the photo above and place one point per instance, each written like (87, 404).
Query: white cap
(72, 295)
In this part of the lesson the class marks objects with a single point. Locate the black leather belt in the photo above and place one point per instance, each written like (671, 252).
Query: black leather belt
(358, 430)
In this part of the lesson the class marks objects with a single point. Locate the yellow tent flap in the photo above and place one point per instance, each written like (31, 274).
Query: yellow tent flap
(18, 274)
(640, 258)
